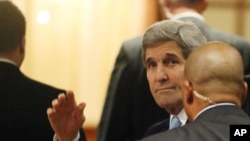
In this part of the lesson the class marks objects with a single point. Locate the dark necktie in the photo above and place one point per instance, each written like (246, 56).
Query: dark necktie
(175, 122)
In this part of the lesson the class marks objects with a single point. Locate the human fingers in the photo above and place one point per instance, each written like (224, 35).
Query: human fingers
(50, 113)
(62, 99)
(79, 113)
(71, 99)
(59, 103)
(55, 105)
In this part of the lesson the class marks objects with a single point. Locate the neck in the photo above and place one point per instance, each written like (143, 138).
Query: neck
(182, 10)
(193, 109)
(12, 57)
(175, 110)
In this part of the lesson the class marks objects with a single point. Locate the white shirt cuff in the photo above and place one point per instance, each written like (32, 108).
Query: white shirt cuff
(75, 139)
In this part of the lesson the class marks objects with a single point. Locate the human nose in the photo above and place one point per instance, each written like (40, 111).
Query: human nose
(161, 74)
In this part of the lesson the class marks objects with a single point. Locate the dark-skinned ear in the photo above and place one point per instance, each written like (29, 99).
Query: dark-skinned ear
(188, 92)
(244, 95)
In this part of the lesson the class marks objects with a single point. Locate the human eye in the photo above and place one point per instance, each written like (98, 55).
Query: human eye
(171, 62)
(151, 65)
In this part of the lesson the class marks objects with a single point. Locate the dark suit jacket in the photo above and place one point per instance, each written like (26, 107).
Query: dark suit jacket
(129, 109)
(158, 127)
(242, 45)
(212, 125)
(23, 105)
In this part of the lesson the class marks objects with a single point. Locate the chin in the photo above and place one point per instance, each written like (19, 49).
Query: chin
(163, 104)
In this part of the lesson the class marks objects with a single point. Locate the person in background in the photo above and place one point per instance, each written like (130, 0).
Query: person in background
(212, 95)
(23, 101)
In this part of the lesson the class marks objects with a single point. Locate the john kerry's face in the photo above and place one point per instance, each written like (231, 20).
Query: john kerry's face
(165, 69)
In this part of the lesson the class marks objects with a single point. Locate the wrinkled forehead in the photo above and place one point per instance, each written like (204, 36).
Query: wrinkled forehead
(170, 49)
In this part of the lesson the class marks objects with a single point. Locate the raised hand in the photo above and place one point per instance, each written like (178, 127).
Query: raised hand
(66, 117)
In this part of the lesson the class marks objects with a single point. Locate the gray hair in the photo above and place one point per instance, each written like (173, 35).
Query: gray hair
(185, 34)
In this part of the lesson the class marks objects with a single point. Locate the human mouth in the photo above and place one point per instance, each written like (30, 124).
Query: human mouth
(164, 90)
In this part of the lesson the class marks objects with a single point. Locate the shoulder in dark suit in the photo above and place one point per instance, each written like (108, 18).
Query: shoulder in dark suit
(241, 44)
(158, 127)
(23, 105)
(129, 109)
(211, 125)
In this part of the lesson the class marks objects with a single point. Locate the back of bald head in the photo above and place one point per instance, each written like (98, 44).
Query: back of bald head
(215, 67)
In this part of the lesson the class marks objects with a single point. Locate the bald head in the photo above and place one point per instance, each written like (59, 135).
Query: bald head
(216, 67)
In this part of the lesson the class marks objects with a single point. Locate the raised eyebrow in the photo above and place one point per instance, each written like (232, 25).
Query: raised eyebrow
(171, 55)
(148, 60)
(167, 55)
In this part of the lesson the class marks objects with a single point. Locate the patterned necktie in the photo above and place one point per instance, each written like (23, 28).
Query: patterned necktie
(175, 122)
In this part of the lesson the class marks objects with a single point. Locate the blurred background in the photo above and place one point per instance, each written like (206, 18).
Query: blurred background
(72, 44)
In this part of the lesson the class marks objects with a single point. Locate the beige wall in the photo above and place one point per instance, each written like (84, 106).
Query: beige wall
(232, 16)
(77, 47)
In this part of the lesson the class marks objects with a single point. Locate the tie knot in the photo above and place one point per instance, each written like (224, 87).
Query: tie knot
(175, 122)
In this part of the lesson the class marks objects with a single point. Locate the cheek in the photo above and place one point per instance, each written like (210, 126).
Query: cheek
(178, 77)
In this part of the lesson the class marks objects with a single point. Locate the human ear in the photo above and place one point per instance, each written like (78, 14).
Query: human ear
(187, 93)
(244, 95)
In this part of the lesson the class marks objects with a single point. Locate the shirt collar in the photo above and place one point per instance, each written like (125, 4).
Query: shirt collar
(187, 14)
(211, 106)
(7, 61)
(182, 117)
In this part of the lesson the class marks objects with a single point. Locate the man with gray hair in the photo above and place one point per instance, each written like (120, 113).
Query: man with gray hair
(166, 46)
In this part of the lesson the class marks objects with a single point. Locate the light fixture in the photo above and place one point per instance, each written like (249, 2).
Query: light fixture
(43, 17)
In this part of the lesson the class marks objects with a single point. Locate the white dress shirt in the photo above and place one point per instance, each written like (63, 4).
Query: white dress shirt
(182, 117)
